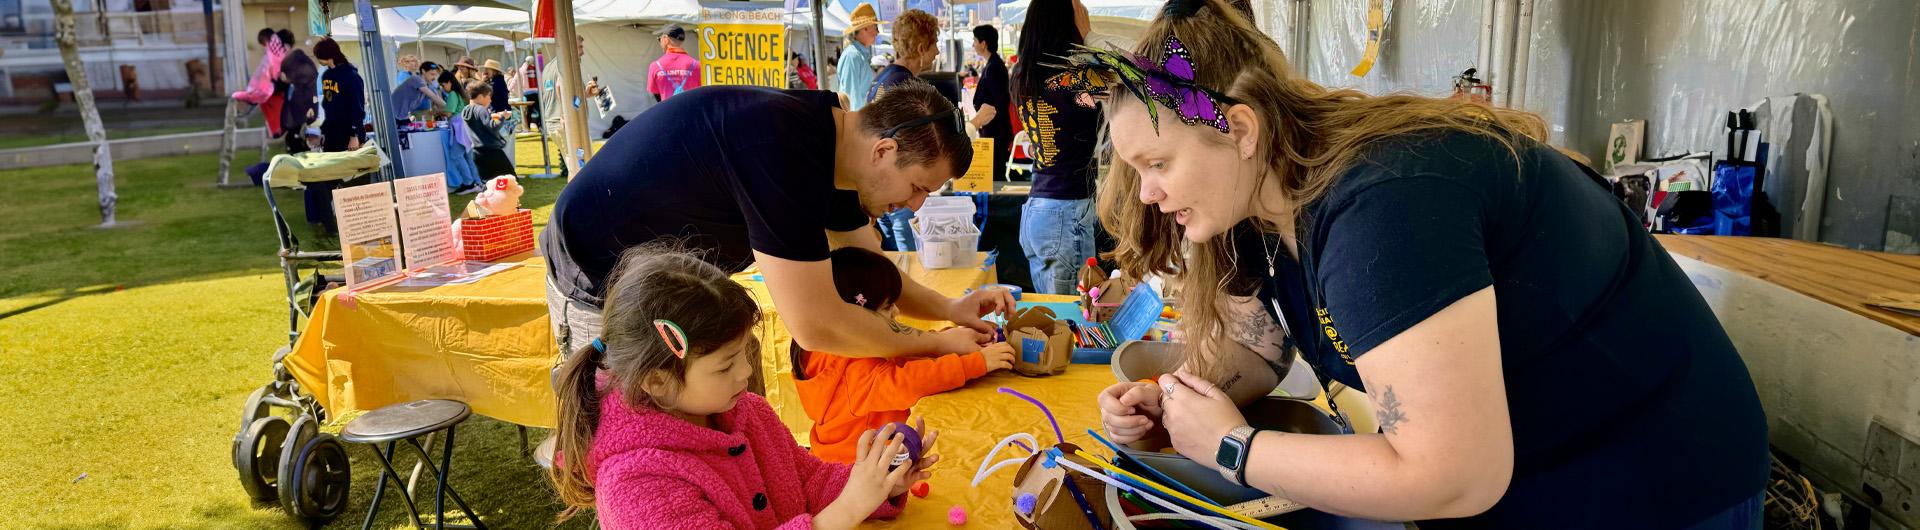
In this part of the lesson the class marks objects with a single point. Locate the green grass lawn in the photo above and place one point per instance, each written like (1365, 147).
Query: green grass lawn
(125, 354)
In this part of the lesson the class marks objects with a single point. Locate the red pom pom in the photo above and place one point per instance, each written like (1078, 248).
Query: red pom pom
(920, 489)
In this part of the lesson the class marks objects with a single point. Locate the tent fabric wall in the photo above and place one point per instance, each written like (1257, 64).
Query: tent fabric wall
(618, 54)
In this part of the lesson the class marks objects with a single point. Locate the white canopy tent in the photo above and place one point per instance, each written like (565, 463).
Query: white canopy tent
(1116, 23)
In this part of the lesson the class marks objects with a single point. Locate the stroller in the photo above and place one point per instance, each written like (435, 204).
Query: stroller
(279, 452)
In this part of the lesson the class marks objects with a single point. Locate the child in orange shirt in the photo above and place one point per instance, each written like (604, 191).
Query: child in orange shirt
(845, 396)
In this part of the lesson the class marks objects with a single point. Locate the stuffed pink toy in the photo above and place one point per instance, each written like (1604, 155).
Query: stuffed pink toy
(260, 87)
(502, 197)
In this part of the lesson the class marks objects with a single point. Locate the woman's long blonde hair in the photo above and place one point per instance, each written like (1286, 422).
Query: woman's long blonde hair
(1310, 134)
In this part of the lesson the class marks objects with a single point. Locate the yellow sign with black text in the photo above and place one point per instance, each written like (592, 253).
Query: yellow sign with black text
(744, 54)
(979, 175)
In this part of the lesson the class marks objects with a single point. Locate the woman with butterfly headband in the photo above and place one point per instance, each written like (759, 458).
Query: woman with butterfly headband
(1534, 358)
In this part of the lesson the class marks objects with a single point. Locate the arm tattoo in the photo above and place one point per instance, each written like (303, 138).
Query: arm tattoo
(903, 329)
(1390, 414)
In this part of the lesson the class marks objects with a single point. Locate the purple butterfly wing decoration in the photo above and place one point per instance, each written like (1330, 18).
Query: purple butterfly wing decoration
(1193, 103)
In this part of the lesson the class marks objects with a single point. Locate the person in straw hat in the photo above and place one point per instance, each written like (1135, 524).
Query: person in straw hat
(497, 79)
(856, 79)
(463, 70)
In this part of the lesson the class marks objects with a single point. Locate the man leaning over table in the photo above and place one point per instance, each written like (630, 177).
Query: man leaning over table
(777, 178)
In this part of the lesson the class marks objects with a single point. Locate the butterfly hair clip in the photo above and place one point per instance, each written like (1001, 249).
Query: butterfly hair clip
(1170, 82)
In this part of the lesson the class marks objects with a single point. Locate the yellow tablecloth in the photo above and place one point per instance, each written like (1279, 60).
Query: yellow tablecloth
(776, 341)
(489, 344)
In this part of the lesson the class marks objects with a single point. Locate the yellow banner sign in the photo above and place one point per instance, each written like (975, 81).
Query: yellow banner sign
(979, 175)
(744, 54)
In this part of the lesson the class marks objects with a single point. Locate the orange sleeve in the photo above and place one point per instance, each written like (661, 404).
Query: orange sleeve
(898, 386)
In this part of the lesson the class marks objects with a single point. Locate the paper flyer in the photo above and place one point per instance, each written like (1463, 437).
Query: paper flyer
(369, 243)
(426, 221)
(979, 175)
(458, 273)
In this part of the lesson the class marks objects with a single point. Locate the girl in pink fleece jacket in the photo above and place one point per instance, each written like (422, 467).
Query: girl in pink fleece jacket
(659, 406)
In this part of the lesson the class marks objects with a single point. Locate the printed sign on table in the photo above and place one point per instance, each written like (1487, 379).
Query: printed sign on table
(979, 175)
(369, 243)
(426, 221)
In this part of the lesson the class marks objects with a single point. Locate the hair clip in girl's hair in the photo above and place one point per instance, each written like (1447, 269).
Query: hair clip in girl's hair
(860, 299)
(671, 334)
(599, 346)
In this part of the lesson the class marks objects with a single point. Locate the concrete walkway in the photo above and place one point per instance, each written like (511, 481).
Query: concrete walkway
(128, 148)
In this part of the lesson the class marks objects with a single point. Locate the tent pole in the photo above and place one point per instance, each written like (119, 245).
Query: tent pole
(378, 89)
(579, 144)
(819, 38)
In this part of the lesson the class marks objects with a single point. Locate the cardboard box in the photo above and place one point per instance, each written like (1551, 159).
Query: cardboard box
(1054, 507)
(1113, 292)
(1045, 342)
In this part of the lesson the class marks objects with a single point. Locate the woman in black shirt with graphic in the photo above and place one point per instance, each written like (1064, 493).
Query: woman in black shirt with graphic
(1534, 358)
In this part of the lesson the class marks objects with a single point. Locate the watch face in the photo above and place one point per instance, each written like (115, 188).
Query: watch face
(1229, 454)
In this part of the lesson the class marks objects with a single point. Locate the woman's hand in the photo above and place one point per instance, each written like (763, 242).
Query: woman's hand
(982, 302)
(869, 483)
(1197, 416)
(921, 470)
(353, 142)
(1128, 410)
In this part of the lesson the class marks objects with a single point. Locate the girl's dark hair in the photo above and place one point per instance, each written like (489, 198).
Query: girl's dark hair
(447, 78)
(286, 37)
(1049, 35)
(329, 50)
(265, 35)
(660, 280)
(864, 278)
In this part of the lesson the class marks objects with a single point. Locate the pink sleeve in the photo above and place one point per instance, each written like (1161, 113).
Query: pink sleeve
(823, 480)
(629, 498)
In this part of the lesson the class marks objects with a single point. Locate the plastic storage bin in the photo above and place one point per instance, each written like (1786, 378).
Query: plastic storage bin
(946, 233)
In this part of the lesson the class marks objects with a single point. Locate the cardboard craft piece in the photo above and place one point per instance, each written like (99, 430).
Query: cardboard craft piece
(1113, 291)
(1045, 342)
(1054, 507)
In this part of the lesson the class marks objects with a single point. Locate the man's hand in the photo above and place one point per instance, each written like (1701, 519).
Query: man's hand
(968, 309)
(960, 340)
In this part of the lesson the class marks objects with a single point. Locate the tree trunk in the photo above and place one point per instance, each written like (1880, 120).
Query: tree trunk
(63, 32)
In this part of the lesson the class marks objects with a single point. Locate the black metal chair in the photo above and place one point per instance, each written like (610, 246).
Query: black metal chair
(408, 422)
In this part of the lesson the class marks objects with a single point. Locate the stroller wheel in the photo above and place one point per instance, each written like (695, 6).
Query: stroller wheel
(304, 429)
(316, 489)
(257, 453)
(257, 406)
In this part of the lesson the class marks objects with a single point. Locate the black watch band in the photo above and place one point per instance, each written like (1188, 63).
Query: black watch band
(1240, 473)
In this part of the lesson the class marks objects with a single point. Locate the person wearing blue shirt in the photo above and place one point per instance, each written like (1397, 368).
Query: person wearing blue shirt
(856, 73)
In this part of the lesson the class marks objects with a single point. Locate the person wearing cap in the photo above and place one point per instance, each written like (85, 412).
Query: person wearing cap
(497, 80)
(675, 71)
(776, 179)
(856, 78)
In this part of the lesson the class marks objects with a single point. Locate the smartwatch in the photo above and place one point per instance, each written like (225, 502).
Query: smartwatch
(1232, 455)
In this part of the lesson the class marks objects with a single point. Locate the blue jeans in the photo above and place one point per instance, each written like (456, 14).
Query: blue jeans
(897, 226)
(1057, 236)
(1746, 515)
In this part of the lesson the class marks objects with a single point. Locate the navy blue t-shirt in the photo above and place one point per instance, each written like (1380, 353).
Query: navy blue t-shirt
(1630, 406)
(733, 169)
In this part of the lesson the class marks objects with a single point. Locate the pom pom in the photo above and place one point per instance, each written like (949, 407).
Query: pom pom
(920, 489)
(957, 516)
(1023, 504)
